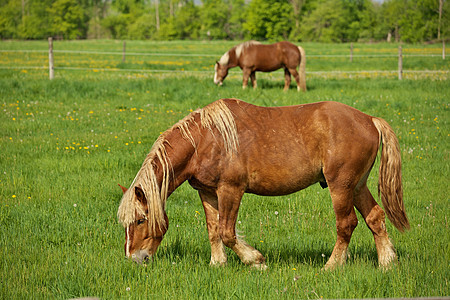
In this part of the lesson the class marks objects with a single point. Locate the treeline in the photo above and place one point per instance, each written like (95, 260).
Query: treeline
(296, 20)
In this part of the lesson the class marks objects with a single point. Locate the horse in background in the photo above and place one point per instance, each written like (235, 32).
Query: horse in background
(231, 147)
(253, 56)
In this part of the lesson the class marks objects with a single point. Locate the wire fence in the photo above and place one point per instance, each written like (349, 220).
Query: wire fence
(207, 54)
(349, 65)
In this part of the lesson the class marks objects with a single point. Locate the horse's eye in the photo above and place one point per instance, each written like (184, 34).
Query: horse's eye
(140, 221)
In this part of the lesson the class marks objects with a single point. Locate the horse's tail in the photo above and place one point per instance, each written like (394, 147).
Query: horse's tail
(302, 69)
(390, 176)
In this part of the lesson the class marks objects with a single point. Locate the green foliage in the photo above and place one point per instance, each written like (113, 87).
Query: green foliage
(168, 31)
(9, 19)
(117, 25)
(215, 15)
(32, 27)
(187, 22)
(326, 23)
(268, 20)
(298, 20)
(415, 21)
(142, 28)
(66, 19)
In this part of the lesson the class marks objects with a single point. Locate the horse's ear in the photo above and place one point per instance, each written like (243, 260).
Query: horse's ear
(124, 189)
(140, 195)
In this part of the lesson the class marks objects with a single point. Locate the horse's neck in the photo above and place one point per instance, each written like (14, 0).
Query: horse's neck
(179, 153)
(232, 59)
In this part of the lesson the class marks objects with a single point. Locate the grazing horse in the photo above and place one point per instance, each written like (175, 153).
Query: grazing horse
(231, 147)
(253, 56)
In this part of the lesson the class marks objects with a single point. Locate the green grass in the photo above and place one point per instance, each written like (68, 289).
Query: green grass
(66, 143)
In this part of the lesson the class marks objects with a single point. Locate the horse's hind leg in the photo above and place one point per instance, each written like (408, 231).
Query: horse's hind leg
(229, 201)
(210, 205)
(346, 221)
(294, 73)
(287, 79)
(253, 79)
(374, 217)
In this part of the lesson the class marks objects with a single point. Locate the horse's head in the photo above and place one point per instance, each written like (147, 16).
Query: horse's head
(220, 72)
(141, 243)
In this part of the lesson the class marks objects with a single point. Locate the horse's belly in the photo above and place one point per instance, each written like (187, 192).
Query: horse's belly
(281, 181)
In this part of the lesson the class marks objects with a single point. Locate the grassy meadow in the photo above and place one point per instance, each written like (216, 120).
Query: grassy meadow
(66, 144)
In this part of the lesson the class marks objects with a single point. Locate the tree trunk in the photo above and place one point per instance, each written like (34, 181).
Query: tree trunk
(441, 4)
(157, 14)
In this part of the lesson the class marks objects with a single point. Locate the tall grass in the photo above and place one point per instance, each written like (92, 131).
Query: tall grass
(66, 143)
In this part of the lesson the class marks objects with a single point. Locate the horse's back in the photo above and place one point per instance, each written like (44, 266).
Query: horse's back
(267, 58)
(284, 149)
(311, 114)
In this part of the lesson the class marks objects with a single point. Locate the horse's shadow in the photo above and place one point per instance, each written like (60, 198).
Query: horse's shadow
(268, 85)
(316, 256)
(278, 85)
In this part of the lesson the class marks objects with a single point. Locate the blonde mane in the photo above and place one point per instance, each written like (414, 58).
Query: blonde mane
(238, 50)
(241, 47)
(215, 115)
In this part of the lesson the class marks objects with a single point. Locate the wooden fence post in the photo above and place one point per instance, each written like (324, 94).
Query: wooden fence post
(400, 63)
(51, 70)
(123, 51)
(443, 49)
(351, 52)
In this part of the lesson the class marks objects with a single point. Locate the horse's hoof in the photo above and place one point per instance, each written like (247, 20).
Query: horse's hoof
(218, 264)
(260, 266)
(328, 267)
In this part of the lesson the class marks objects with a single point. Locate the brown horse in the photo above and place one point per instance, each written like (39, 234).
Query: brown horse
(253, 56)
(230, 147)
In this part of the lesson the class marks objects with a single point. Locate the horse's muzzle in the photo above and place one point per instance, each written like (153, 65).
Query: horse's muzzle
(140, 256)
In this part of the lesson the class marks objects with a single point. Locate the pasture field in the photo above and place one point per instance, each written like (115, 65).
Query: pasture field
(66, 144)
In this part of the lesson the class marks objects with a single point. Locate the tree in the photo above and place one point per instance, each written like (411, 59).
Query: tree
(297, 6)
(214, 14)
(360, 15)
(236, 17)
(326, 23)
(67, 19)
(187, 22)
(117, 25)
(10, 18)
(142, 28)
(271, 20)
(413, 20)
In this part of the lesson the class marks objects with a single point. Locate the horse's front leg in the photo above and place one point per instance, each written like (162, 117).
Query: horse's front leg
(210, 205)
(287, 79)
(246, 74)
(229, 201)
(253, 79)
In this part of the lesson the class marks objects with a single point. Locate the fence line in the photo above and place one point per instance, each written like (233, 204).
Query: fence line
(210, 72)
(210, 55)
(123, 53)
